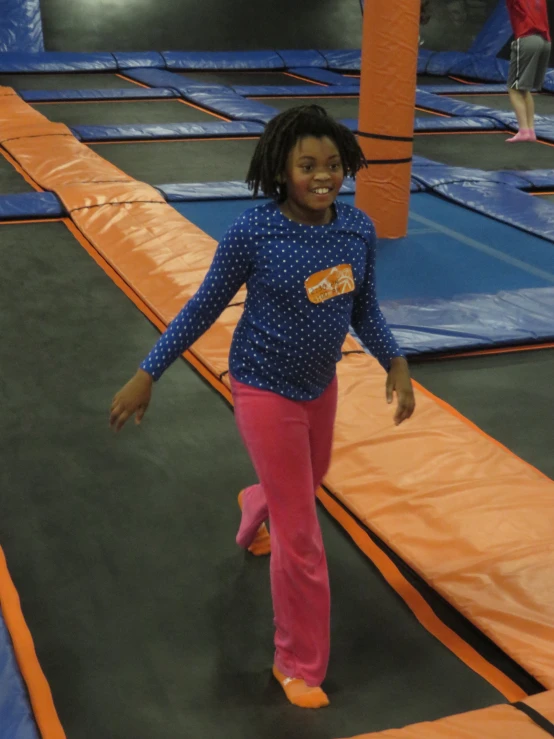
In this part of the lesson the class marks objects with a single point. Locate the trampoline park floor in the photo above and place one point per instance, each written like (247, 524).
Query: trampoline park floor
(146, 616)
(170, 631)
(337, 106)
(203, 160)
(110, 113)
(544, 102)
(67, 81)
(11, 181)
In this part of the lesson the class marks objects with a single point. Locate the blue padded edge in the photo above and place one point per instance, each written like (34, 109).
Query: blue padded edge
(169, 131)
(441, 174)
(322, 75)
(16, 716)
(223, 60)
(472, 321)
(471, 66)
(544, 127)
(485, 68)
(446, 105)
(442, 124)
(458, 88)
(296, 91)
(345, 60)
(422, 60)
(226, 102)
(549, 81)
(159, 78)
(142, 59)
(505, 204)
(30, 205)
(56, 61)
(297, 58)
(232, 190)
(21, 27)
(496, 32)
(457, 123)
(218, 98)
(538, 178)
(44, 96)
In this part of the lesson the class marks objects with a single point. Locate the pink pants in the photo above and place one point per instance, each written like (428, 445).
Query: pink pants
(289, 443)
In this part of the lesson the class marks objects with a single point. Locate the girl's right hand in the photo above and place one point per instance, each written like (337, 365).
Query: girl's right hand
(133, 397)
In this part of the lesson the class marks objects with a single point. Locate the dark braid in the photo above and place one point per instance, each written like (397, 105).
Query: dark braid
(281, 135)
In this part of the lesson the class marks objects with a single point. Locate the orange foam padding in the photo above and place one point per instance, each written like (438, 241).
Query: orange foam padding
(53, 161)
(498, 722)
(466, 514)
(85, 195)
(471, 518)
(155, 249)
(386, 117)
(39, 691)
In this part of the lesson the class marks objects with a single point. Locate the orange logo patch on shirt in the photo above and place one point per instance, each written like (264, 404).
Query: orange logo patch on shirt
(329, 283)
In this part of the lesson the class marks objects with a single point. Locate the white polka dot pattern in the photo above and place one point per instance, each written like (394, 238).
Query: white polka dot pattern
(283, 342)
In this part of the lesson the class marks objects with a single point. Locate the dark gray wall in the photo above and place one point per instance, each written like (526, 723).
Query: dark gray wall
(164, 25)
(454, 24)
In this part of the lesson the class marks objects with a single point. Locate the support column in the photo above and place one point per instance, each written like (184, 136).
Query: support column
(386, 120)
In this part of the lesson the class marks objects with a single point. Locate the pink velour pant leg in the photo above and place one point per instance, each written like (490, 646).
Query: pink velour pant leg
(289, 444)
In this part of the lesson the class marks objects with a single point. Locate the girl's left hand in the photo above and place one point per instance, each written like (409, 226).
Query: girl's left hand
(399, 382)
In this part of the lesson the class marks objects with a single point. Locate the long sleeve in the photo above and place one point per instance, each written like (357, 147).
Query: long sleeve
(228, 272)
(367, 320)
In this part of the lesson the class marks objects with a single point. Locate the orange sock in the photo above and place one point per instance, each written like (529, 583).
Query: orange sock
(262, 542)
(300, 694)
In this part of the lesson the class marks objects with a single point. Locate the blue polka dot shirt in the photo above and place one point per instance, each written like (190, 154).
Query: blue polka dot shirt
(284, 341)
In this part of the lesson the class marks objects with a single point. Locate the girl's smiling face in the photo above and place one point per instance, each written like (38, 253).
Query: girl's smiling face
(313, 177)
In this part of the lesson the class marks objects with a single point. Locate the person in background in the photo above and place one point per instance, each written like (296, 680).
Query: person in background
(528, 62)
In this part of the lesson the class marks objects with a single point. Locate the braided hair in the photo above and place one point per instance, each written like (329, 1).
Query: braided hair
(281, 135)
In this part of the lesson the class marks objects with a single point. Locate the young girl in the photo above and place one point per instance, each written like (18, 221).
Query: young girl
(308, 262)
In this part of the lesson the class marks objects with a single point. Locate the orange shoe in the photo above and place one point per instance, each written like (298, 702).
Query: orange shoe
(300, 694)
(262, 542)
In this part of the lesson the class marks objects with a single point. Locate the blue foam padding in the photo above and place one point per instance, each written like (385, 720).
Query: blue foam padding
(226, 102)
(223, 60)
(16, 715)
(544, 127)
(231, 190)
(45, 96)
(175, 193)
(473, 66)
(322, 75)
(485, 68)
(441, 174)
(30, 205)
(496, 32)
(56, 61)
(139, 59)
(422, 60)
(157, 78)
(21, 26)
(458, 88)
(345, 60)
(537, 179)
(549, 81)
(446, 105)
(456, 123)
(133, 132)
(296, 90)
(505, 204)
(298, 58)
(472, 322)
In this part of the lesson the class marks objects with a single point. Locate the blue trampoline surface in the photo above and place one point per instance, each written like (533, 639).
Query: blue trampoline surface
(449, 251)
